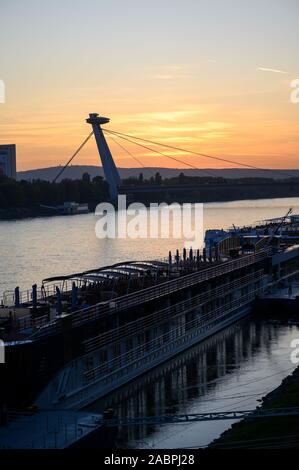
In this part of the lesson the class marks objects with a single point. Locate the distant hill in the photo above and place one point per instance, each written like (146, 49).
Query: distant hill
(76, 172)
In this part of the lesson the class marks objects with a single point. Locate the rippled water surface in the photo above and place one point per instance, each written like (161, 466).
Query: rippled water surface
(33, 249)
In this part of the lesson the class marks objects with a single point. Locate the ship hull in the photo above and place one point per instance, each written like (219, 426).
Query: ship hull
(86, 394)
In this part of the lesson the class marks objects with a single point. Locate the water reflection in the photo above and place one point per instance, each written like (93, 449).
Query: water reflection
(33, 249)
(229, 371)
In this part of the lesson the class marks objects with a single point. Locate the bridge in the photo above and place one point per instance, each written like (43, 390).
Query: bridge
(113, 179)
(61, 429)
(197, 417)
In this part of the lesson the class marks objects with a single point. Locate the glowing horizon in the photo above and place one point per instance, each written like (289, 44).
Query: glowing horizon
(210, 78)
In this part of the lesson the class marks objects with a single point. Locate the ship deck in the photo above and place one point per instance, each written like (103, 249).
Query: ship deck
(111, 289)
(45, 429)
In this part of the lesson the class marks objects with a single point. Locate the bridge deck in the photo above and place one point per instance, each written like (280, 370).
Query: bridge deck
(191, 418)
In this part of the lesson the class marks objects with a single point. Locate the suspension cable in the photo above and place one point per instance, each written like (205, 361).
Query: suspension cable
(72, 157)
(127, 151)
(198, 153)
(161, 153)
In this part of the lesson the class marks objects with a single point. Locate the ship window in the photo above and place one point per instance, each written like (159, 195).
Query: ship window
(103, 356)
(116, 349)
(141, 339)
(89, 363)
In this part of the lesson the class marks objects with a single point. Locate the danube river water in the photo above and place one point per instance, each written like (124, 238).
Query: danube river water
(33, 249)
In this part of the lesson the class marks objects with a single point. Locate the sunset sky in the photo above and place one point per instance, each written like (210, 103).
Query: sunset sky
(212, 76)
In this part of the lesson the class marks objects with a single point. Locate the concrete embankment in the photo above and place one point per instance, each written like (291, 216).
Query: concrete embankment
(275, 432)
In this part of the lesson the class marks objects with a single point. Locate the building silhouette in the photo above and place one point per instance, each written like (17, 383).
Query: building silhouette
(8, 160)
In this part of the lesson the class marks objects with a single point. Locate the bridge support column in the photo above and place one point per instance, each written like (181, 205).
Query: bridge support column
(109, 168)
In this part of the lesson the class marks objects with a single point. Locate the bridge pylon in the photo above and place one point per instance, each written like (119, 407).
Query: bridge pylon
(109, 167)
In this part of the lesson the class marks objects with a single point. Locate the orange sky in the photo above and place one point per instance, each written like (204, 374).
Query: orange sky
(226, 95)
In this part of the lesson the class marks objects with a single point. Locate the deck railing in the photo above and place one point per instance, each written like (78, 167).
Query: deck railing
(166, 288)
(148, 352)
(151, 293)
(163, 315)
(43, 293)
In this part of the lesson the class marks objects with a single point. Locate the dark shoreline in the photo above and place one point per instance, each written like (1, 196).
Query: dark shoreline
(27, 213)
(269, 432)
(23, 213)
(19, 213)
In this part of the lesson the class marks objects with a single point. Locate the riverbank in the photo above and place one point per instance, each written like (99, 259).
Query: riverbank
(33, 211)
(276, 432)
(24, 213)
(18, 213)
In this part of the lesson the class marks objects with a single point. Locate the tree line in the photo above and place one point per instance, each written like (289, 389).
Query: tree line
(19, 194)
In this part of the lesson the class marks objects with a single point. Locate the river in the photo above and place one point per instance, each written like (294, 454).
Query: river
(33, 249)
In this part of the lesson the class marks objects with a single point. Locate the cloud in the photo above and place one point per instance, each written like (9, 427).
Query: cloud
(171, 72)
(266, 69)
(175, 68)
(164, 77)
(172, 116)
